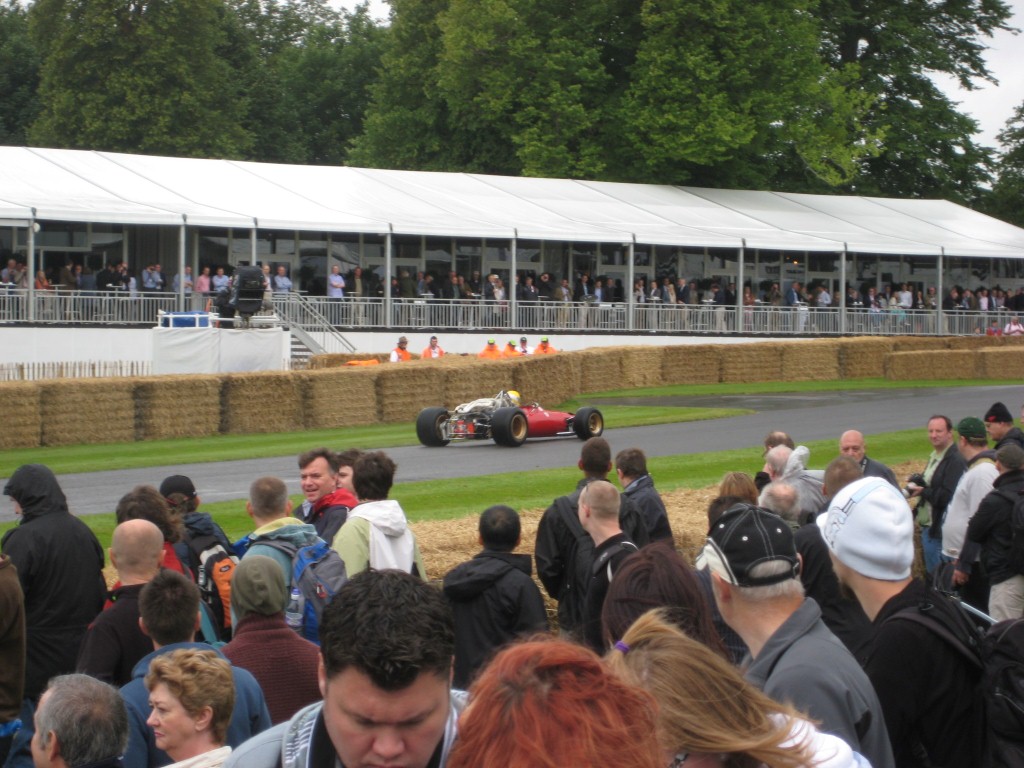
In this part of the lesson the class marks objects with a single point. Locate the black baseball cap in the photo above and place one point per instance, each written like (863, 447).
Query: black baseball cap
(177, 484)
(744, 537)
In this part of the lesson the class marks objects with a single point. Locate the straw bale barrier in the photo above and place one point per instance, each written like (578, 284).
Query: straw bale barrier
(751, 362)
(697, 364)
(931, 365)
(548, 379)
(476, 378)
(1012, 341)
(1000, 363)
(974, 342)
(919, 343)
(77, 411)
(810, 361)
(642, 367)
(158, 407)
(338, 360)
(600, 368)
(22, 415)
(267, 401)
(402, 389)
(340, 397)
(863, 357)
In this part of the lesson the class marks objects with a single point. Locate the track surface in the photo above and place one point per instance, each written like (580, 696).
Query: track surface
(813, 416)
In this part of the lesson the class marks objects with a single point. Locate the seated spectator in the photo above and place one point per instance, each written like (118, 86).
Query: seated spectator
(169, 612)
(493, 598)
(708, 714)
(80, 722)
(114, 643)
(144, 502)
(658, 577)
(551, 704)
(261, 639)
(192, 697)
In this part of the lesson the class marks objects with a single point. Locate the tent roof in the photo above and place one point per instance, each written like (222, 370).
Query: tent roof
(75, 185)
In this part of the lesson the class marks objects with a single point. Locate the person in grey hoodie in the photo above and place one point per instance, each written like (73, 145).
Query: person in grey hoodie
(493, 598)
(270, 510)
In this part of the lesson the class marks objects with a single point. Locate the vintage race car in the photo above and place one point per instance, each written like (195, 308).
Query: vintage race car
(502, 419)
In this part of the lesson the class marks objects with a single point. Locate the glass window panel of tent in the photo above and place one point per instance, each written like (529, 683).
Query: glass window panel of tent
(666, 262)
(584, 259)
(920, 272)
(407, 248)
(468, 257)
(438, 257)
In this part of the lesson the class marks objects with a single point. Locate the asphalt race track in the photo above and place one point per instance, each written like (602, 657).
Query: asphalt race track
(807, 416)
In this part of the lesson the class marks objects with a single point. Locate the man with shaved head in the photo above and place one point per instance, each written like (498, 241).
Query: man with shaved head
(114, 643)
(851, 443)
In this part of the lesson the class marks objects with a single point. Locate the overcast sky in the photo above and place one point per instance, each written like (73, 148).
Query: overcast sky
(991, 105)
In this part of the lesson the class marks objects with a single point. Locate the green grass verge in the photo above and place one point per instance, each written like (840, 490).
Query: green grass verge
(454, 498)
(95, 458)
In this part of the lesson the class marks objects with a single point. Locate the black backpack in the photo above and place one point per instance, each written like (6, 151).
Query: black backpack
(212, 561)
(1016, 532)
(997, 652)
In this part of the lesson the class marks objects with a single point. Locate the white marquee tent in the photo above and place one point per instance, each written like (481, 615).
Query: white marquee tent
(41, 185)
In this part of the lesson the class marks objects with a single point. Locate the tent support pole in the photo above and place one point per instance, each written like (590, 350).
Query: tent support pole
(31, 267)
(182, 242)
(738, 297)
(940, 293)
(630, 279)
(387, 276)
(840, 299)
(513, 303)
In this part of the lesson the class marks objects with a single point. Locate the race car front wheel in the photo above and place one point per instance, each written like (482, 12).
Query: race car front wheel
(588, 423)
(431, 427)
(509, 427)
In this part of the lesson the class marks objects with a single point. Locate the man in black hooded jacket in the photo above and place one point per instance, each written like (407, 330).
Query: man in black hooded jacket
(60, 567)
(493, 598)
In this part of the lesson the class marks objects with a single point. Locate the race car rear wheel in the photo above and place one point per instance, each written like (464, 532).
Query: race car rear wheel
(509, 427)
(430, 427)
(588, 423)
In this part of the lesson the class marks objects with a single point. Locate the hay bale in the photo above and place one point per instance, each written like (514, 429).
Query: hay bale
(931, 365)
(547, 379)
(268, 401)
(340, 397)
(338, 360)
(810, 361)
(919, 343)
(697, 364)
(404, 390)
(600, 369)
(974, 342)
(158, 407)
(87, 411)
(863, 357)
(474, 379)
(751, 362)
(642, 366)
(22, 415)
(1000, 363)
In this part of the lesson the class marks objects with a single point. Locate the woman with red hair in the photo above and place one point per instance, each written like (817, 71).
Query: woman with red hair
(549, 704)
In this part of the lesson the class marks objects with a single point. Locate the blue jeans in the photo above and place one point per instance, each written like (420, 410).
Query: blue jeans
(932, 551)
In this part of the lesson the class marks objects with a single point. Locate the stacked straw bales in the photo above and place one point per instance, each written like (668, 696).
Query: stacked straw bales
(268, 401)
(1001, 363)
(472, 379)
(339, 360)
(810, 361)
(697, 364)
(158, 407)
(340, 397)
(744, 363)
(642, 367)
(87, 411)
(22, 415)
(548, 379)
(919, 343)
(402, 389)
(931, 365)
(600, 368)
(863, 357)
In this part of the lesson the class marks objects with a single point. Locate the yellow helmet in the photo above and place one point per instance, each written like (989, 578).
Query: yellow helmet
(513, 397)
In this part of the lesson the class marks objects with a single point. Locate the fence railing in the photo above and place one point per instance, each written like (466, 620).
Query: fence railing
(80, 369)
(317, 314)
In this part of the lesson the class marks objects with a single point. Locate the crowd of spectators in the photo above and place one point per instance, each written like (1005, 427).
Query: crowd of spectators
(787, 643)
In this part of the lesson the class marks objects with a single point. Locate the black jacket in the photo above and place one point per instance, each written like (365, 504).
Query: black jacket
(1014, 436)
(564, 552)
(60, 566)
(494, 600)
(990, 529)
(872, 468)
(940, 490)
(647, 499)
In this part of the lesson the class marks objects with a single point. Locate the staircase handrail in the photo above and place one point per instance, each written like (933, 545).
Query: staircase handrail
(305, 319)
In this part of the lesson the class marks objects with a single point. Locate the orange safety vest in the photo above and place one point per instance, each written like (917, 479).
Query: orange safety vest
(429, 353)
(544, 349)
(403, 354)
(490, 352)
(511, 352)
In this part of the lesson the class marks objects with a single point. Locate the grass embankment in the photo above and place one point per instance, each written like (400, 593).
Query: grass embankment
(454, 498)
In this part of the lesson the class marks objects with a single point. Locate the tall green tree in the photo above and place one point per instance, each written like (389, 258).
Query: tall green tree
(929, 149)
(1006, 200)
(19, 75)
(136, 76)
